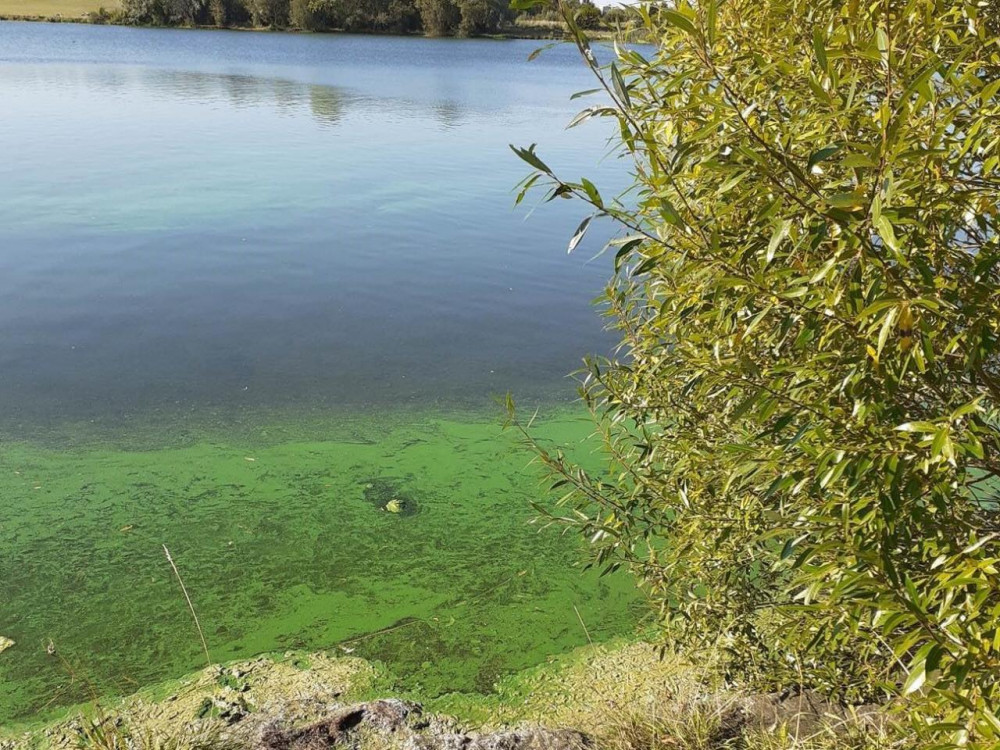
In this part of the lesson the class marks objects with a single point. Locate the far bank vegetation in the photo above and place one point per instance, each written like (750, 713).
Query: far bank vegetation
(431, 17)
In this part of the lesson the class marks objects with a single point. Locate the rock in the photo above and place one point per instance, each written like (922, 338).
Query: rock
(229, 710)
(403, 721)
(389, 495)
(5, 643)
(382, 716)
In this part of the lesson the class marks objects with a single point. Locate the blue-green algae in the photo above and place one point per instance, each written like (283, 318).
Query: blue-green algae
(284, 540)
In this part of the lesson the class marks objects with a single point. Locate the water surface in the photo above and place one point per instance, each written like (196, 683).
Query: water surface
(253, 287)
(192, 218)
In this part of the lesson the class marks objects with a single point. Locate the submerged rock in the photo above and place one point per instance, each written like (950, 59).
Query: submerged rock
(388, 495)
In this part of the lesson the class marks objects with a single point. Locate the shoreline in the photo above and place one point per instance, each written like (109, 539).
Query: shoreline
(253, 691)
(86, 19)
(618, 695)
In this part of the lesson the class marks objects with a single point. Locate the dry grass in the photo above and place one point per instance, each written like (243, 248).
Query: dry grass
(628, 698)
(539, 23)
(105, 732)
(828, 740)
(185, 714)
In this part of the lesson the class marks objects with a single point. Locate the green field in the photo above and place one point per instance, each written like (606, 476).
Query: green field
(67, 9)
(404, 539)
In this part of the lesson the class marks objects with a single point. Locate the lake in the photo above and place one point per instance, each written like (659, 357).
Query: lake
(254, 287)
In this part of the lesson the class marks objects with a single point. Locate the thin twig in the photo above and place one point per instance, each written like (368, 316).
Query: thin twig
(194, 614)
(582, 623)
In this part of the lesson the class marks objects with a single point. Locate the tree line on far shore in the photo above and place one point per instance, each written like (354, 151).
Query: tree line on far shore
(431, 17)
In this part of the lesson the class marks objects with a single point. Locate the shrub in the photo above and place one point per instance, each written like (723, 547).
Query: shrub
(224, 13)
(439, 17)
(269, 13)
(588, 15)
(309, 15)
(481, 17)
(617, 16)
(161, 12)
(100, 16)
(802, 424)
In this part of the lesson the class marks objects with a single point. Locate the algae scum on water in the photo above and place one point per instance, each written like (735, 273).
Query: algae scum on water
(407, 544)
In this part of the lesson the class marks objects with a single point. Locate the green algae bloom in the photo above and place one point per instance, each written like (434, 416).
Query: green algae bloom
(404, 540)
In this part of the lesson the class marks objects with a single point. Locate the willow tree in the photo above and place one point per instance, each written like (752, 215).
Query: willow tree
(801, 420)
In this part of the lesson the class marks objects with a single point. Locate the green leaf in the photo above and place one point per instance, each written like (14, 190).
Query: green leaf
(851, 201)
(540, 50)
(823, 270)
(625, 250)
(887, 324)
(882, 41)
(586, 114)
(823, 154)
(579, 233)
(940, 441)
(526, 185)
(917, 427)
(819, 48)
(670, 213)
(680, 21)
(884, 228)
(619, 85)
(528, 155)
(779, 233)
(592, 193)
(916, 678)
(853, 161)
(875, 307)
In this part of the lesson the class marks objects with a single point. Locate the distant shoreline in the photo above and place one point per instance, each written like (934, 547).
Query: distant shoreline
(88, 19)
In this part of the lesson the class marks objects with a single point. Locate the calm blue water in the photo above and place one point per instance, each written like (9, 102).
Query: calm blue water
(194, 218)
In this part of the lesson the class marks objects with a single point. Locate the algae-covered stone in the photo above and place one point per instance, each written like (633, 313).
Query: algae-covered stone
(5, 643)
(391, 496)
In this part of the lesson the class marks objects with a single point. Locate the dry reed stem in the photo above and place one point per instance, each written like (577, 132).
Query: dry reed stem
(194, 614)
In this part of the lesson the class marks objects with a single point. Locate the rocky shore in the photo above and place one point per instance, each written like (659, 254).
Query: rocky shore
(620, 698)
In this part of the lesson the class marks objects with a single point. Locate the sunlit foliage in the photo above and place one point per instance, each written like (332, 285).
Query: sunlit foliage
(801, 420)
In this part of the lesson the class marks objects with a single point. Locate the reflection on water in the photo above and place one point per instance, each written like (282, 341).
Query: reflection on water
(449, 113)
(289, 97)
(322, 221)
(293, 98)
(327, 104)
